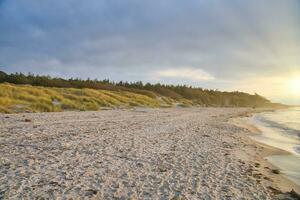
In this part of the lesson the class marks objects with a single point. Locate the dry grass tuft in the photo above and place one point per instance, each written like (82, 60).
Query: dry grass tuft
(21, 98)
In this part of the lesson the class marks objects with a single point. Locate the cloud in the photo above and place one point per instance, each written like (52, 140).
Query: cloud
(192, 74)
(133, 39)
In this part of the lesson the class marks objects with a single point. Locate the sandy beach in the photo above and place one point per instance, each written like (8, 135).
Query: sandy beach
(176, 153)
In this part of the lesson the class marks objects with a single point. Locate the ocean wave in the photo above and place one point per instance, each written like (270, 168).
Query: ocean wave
(297, 149)
(273, 124)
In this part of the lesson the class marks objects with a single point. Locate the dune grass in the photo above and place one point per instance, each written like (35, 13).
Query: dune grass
(57, 94)
(21, 98)
(27, 98)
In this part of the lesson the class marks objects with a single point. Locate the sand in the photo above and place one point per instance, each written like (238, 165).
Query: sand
(268, 154)
(177, 153)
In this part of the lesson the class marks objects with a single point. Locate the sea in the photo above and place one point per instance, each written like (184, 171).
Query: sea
(281, 129)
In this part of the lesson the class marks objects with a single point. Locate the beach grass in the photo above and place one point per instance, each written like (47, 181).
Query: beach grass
(20, 98)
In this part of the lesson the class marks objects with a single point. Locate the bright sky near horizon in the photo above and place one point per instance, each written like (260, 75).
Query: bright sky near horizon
(248, 45)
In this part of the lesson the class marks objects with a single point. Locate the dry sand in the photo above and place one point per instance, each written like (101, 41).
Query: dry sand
(178, 153)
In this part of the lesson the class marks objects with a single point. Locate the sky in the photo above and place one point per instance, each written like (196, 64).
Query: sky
(246, 45)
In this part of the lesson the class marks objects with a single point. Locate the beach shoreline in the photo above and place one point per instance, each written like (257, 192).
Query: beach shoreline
(192, 153)
(283, 183)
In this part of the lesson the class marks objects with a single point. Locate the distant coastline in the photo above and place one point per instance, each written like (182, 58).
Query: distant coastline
(34, 93)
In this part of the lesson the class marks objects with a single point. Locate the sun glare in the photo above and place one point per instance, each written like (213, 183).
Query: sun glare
(294, 85)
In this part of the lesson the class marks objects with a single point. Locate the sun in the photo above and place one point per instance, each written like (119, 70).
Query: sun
(294, 85)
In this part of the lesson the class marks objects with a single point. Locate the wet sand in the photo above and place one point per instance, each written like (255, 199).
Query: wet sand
(178, 153)
(269, 154)
(289, 162)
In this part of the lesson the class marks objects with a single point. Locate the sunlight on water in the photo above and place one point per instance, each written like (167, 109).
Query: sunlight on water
(281, 129)
(289, 165)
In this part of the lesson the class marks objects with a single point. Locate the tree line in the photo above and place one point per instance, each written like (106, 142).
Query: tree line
(199, 96)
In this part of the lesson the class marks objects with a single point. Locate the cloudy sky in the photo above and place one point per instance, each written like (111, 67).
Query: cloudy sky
(247, 45)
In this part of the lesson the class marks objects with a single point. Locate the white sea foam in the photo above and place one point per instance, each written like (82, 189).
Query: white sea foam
(281, 129)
